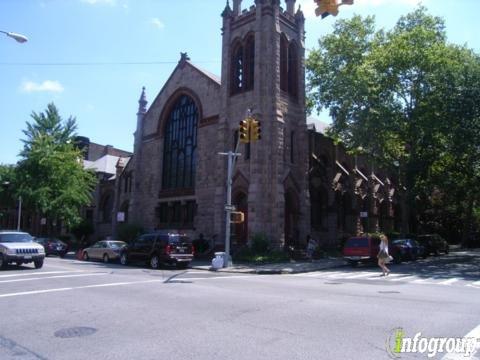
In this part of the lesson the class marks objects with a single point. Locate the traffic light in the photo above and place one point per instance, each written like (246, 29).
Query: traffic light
(244, 131)
(237, 217)
(326, 7)
(330, 7)
(255, 130)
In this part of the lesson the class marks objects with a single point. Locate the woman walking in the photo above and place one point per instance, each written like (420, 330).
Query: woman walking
(383, 256)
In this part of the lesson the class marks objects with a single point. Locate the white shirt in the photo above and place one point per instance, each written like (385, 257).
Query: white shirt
(384, 246)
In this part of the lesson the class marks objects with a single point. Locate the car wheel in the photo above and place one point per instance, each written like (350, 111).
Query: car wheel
(124, 259)
(106, 259)
(85, 256)
(62, 255)
(447, 250)
(38, 264)
(18, 263)
(353, 263)
(154, 262)
(436, 253)
(397, 259)
(3, 263)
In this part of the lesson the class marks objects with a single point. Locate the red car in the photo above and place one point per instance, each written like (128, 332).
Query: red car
(365, 249)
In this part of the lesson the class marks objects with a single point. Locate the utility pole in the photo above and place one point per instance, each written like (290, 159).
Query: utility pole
(249, 131)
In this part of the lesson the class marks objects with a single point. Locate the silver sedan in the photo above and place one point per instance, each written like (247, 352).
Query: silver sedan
(105, 250)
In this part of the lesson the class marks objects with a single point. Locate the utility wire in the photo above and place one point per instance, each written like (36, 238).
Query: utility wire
(97, 63)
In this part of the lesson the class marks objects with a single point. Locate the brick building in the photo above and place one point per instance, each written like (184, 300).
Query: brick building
(291, 183)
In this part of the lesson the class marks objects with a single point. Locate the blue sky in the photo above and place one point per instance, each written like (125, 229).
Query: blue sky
(92, 57)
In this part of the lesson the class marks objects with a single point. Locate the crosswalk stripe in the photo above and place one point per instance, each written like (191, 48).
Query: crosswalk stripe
(358, 276)
(403, 278)
(448, 282)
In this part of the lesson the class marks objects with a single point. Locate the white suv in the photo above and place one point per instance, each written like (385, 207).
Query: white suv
(19, 248)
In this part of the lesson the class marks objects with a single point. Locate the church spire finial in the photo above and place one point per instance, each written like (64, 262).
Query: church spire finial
(227, 11)
(142, 102)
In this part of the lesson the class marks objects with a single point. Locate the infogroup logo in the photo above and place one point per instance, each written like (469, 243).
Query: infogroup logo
(398, 343)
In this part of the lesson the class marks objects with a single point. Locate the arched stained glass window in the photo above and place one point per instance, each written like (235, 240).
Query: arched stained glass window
(180, 144)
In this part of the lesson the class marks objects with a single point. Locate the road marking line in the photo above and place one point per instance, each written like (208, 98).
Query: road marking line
(38, 273)
(78, 287)
(448, 282)
(475, 333)
(51, 277)
(424, 281)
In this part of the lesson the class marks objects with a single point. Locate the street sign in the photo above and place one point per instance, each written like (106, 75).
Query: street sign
(363, 214)
(230, 208)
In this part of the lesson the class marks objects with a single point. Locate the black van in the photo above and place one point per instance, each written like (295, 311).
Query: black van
(163, 247)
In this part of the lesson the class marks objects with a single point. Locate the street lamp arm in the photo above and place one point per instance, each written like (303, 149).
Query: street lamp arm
(17, 37)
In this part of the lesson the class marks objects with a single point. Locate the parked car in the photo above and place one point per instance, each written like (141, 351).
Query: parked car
(409, 248)
(433, 243)
(365, 249)
(53, 246)
(19, 248)
(163, 247)
(105, 250)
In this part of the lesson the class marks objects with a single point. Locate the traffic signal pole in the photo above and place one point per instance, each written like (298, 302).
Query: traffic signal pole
(232, 156)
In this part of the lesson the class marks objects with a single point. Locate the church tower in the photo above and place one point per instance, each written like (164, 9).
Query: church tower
(263, 70)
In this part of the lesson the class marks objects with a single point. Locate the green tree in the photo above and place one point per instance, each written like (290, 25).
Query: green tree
(51, 177)
(396, 94)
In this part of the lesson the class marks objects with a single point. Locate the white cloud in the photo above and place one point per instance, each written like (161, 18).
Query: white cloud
(47, 85)
(157, 23)
(100, 2)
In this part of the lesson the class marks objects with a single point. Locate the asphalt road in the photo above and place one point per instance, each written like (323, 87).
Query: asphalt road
(84, 310)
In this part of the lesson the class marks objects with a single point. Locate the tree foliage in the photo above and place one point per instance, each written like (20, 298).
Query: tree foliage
(408, 97)
(50, 174)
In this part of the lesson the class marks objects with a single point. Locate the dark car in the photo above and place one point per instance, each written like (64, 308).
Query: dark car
(53, 246)
(433, 243)
(365, 249)
(409, 248)
(167, 247)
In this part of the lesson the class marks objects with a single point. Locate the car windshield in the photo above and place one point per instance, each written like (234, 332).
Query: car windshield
(15, 237)
(116, 244)
(357, 242)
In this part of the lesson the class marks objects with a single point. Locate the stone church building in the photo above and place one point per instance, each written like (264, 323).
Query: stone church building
(292, 182)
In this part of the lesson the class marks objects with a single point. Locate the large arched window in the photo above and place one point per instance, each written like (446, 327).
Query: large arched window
(243, 65)
(249, 62)
(293, 69)
(288, 66)
(179, 157)
(237, 69)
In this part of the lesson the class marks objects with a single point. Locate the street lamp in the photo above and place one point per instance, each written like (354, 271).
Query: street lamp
(17, 37)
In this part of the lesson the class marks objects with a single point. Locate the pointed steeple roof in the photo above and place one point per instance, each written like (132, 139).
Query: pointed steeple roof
(142, 102)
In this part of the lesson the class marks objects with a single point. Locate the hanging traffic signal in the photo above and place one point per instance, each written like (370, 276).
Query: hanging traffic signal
(244, 131)
(329, 7)
(326, 7)
(255, 130)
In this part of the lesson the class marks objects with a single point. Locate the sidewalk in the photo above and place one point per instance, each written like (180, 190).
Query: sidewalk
(292, 267)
